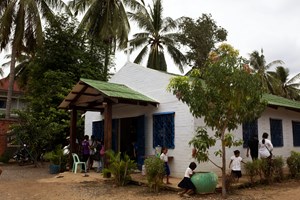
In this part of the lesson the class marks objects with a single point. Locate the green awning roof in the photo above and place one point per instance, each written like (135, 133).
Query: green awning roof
(278, 101)
(90, 94)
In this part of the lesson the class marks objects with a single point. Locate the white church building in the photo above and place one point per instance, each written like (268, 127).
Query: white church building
(169, 122)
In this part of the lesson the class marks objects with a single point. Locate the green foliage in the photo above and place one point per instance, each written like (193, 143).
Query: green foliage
(5, 157)
(293, 162)
(252, 170)
(155, 172)
(56, 156)
(119, 167)
(157, 37)
(223, 93)
(200, 36)
(48, 78)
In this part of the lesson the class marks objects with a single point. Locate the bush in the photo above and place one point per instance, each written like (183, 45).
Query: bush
(293, 162)
(252, 170)
(155, 172)
(5, 157)
(277, 164)
(119, 168)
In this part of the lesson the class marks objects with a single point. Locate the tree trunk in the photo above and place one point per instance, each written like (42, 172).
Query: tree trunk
(11, 82)
(224, 192)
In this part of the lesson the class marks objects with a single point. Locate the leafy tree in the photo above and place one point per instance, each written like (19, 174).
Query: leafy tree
(200, 36)
(156, 36)
(51, 74)
(289, 88)
(258, 63)
(21, 30)
(227, 97)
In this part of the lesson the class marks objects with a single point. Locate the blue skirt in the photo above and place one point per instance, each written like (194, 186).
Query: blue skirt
(167, 169)
(186, 183)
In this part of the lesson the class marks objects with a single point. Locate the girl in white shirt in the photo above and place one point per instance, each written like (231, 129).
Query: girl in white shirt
(186, 182)
(265, 147)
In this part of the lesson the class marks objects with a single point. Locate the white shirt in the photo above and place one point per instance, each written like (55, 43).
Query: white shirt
(188, 172)
(236, 163)
(263, 148)
(164, 157)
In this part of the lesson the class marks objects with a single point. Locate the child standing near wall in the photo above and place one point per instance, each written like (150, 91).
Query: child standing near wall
(164, 157)
(236, 161)
(186, 182)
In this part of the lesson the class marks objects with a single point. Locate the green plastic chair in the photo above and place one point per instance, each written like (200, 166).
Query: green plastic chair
(76, 163)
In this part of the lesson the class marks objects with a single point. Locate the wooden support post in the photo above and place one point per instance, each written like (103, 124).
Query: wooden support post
(107, 129)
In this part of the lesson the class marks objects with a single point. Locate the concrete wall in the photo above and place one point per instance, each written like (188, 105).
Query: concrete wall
(153, 84)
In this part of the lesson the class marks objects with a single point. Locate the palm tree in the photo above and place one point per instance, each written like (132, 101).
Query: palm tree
(258, 63)
(155, 37)
(290, 88)
(107, 21)
(21, 30)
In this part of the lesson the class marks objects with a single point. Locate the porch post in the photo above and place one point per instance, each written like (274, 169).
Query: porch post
(73, 131)
(107, 128)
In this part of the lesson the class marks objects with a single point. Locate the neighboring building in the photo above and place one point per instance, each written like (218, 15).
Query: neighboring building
(17, 103)
(171, 124)
(17, 97)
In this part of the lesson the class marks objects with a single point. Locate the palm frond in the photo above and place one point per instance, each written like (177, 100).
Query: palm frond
(141, 55)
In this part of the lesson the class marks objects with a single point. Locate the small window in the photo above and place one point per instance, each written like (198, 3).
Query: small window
(163, 130)
(276, 132)
(296, 133)
(2, 103)
(249, 129)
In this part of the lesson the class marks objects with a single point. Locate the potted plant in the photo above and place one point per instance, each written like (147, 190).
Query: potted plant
(55, 157)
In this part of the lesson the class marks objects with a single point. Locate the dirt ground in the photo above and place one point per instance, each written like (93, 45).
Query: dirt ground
(30, 183)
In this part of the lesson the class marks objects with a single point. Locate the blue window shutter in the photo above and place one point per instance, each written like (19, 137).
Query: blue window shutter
(249, 129)
(276, 132)
(98, 129)
(163, 130)
(296, 133)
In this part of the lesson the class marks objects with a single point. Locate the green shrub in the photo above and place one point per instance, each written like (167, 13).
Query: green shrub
(155, 172)
(120, 168)
(293, 162)
(56, 156)
(252, 170)
(5, 157)
(277, 164)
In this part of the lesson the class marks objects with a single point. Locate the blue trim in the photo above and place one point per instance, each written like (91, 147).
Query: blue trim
(163, 113)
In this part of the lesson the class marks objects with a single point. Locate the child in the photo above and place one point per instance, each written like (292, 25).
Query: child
(164, 157)
(186, 182)
(236, 165)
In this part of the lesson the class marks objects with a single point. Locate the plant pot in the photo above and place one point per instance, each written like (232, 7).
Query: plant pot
(54, 169)
(205, 182)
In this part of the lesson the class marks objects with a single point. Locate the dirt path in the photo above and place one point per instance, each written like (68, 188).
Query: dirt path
(29, 183)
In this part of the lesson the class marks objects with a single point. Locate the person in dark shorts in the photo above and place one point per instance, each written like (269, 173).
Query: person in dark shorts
(235, 164)
(186, 182)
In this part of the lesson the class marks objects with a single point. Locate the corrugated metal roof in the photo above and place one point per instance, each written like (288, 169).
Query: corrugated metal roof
(274, 100)
(90, 94)
(117, 90)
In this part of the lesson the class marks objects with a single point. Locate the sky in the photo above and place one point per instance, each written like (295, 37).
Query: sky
(271, 25)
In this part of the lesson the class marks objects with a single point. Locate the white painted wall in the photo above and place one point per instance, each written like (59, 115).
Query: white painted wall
(153, 84)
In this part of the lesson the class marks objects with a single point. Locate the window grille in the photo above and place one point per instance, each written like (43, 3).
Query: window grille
(163, 130)
(296, 133)
(249, 129)
(276, 132)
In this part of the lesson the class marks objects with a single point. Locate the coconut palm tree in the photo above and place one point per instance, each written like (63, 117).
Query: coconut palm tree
(107, 21)
(258, 63)
(21, 30)
(156, 36)
(290, 88)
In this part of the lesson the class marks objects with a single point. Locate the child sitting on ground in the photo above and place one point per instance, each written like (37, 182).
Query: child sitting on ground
(186, 182)
(236, 161)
